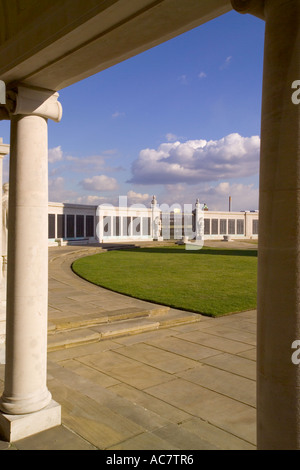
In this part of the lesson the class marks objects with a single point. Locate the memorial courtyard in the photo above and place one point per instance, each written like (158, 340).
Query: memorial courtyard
(131, 375)
(210, 281)
(126, 374)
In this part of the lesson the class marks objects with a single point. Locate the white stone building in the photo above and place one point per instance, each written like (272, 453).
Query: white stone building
(80, 224)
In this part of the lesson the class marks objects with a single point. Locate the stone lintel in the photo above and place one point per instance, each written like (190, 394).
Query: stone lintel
(16, 427)
(253, 7)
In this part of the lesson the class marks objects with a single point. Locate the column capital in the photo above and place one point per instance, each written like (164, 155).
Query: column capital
(38, 102)
(34, 101)
(254, 7)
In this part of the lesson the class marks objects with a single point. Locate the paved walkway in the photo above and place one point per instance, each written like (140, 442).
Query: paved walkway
(181, 387)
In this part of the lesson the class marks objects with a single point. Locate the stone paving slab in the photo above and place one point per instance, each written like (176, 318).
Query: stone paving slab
(232, 333)
(127, 370)
(199, 432)
(162, 408)
(183, 348)
(99, 425)
(184, 386)
(60, 437)
(217, 342)
(220, 410)
(233, 363)
(223, 382)
(158, 358)
(251, 354)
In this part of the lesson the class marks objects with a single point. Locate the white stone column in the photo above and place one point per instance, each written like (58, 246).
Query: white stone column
(25, 389)
(278, 378)
(4, 150)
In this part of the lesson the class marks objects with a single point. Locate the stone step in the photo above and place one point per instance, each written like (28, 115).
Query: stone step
(73, 338)
(74, 322)
(135, 312)
(90, 320)
(67, 338)
(127, 327)
(177, 317)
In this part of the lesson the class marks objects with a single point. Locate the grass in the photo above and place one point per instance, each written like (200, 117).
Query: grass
(210, 281)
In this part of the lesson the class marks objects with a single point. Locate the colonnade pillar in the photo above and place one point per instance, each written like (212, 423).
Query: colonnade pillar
(26, 398)
(4, 150)
(278, 369)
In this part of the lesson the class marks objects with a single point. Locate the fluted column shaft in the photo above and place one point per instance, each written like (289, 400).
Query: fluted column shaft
(27, 287)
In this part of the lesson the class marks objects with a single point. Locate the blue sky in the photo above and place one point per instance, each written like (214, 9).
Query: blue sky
(180, 121)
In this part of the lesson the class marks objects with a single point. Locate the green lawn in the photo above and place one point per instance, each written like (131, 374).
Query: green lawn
(210, 281)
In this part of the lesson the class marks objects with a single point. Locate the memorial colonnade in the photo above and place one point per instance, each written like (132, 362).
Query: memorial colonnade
(278, 377)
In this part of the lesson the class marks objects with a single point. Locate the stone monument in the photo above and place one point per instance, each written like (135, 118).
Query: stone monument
(199, 221)
(156, 220)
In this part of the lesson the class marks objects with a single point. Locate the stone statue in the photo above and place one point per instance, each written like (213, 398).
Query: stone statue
(157, 227)
(199, 225)
(199, 228)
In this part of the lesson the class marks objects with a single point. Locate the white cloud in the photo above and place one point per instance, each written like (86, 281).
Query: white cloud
(198, 161)
(244, 196)
(202, 75)
(63, 164)
(58, 191)
(91, 200)
(171, 137)
(55, 154)
(92, 163)
(117, 114)
(137, 198)
(183, 79)
(227, 62)
(100, 183)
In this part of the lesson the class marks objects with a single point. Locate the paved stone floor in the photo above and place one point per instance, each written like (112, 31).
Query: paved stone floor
(182, 387)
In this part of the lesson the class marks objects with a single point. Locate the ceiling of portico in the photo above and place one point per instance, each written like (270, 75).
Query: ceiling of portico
(55, 43)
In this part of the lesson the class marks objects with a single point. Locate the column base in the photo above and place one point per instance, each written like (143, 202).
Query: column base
(16, 427)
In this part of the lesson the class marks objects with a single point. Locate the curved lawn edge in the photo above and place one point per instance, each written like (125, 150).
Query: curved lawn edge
(143, 299)
(135, 264)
